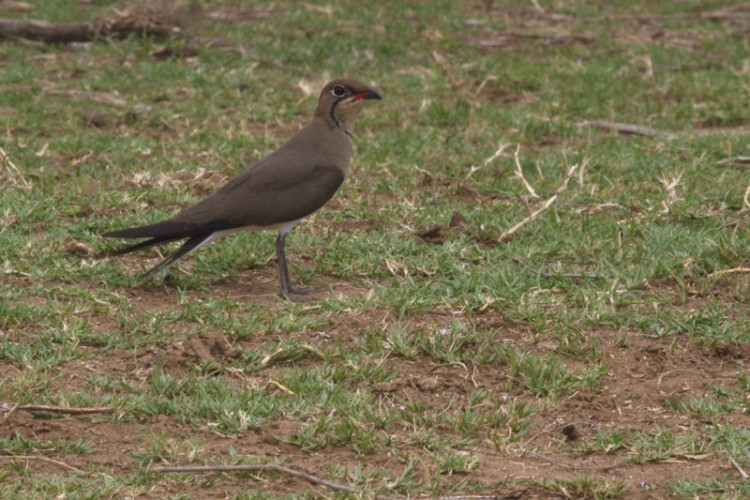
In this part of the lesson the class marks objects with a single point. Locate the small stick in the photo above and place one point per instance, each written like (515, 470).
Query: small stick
(87, 31)
(600, 208)
(626, 128)
(738, 467)
(547, 431)
(468, 497)
(500, 150)
(736, 161)
(502, 37)
(519, 174)
(63, 409)
(98, 97)
(280, 386)
(41, 459)
(538, 7)
(734, 270)
(256, 468)
(730, 12)
(523, 264)
(576, 467)
(17, 178)
(746, 197)
(510, 232)
(582, 170)
(313, 350)
(270, 357)
(445, 67)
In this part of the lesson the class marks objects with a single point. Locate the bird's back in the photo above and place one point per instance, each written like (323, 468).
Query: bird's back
(290, 183)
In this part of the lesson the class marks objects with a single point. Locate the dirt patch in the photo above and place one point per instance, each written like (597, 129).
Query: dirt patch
(634, 397)
(529, 29)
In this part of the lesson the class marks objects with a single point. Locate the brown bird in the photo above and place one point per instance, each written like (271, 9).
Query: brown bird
(277, 192)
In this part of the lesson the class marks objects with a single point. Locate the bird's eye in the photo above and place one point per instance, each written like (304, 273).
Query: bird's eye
(339, 91)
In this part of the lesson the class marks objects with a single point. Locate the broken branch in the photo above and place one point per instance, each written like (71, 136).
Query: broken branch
(519, 174)
(731, 12)
(543, 274)
(737, 161)
(500, 150)
(575, 467)
(626, 128)
(63, 409)
(560, 190)
(737, 467)
(99, 97)
(501, 39)
(41, 459)
(734, 270)
(256, 468)
(9, 172)
(141, 20)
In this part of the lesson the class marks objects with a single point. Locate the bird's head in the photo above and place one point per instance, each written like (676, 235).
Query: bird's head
(341, 101)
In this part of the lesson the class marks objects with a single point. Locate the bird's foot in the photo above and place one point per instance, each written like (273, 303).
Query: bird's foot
(305, 291)
(292, 294)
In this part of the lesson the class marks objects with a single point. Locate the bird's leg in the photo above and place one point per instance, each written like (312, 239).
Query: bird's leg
(283, 269)
(286, 282)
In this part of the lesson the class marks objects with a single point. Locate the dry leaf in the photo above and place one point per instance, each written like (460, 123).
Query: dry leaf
(13, 6)
(79, 248)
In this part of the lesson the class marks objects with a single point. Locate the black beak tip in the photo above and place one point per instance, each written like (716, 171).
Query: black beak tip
(372, 94)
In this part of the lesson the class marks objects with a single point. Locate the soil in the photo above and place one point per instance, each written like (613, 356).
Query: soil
(642, 376)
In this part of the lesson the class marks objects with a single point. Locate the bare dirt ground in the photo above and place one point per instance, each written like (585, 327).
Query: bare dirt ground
(641, 378)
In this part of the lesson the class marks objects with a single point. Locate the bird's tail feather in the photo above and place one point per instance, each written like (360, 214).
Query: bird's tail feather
(191, 244)
(166, 229)
(143, 244)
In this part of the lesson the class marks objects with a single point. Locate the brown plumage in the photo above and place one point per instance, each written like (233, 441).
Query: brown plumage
(277, 192)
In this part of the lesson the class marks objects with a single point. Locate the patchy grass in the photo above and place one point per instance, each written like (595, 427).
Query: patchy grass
(597, 353)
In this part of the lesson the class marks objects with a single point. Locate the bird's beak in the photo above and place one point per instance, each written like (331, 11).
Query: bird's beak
(369, 94)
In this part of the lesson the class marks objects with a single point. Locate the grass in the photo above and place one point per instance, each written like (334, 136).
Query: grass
(422, 365)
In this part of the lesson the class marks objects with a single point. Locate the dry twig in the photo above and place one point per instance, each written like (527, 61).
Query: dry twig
(16, 6)
(564, 186)
(157, 19)
(543, 274)
(626, 128)
(734, 270)
(14, 176)
(445, 67)
(41, 459)
(468, 497)
(582, 171)
(730, 12)
(737, 161)
(256, 468)
(238, 15)
(575, 467)
(538, 7)
(670, 186)
(737, 467)
(519, 174)
(59, 409)
(280, 386)
(501, 39)
(476, 168)
(99, 97)
(555, 428)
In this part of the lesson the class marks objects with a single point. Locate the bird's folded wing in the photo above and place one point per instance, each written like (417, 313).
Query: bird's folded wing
(264, 199)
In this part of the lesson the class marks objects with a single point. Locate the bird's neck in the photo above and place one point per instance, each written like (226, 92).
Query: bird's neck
(340, 121)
